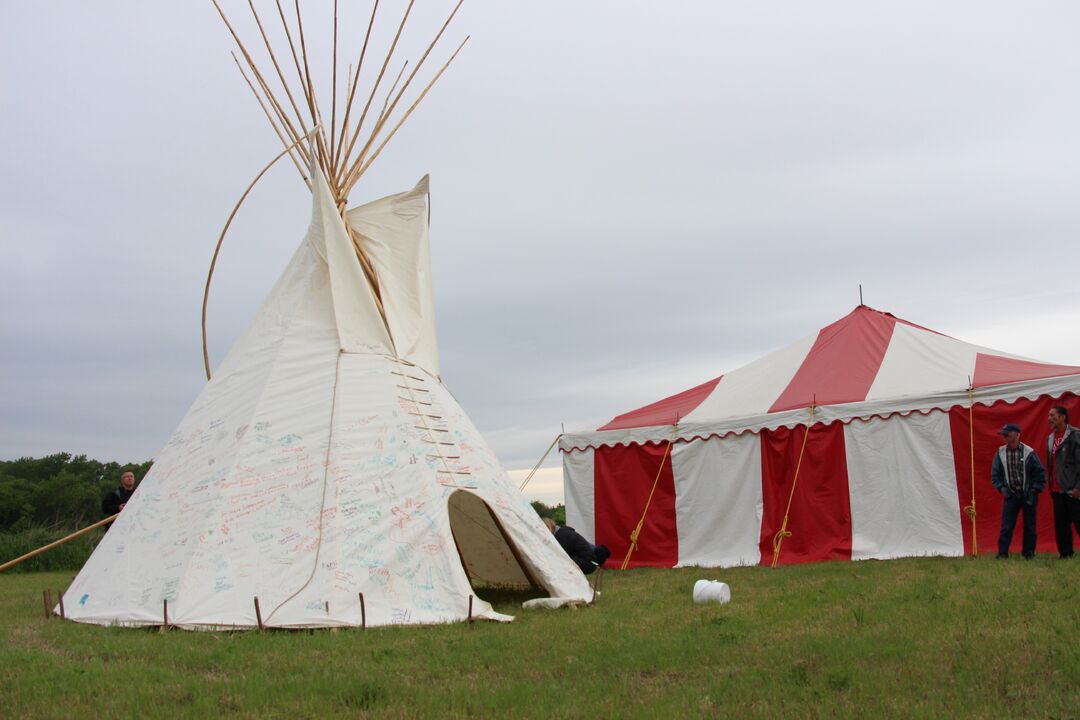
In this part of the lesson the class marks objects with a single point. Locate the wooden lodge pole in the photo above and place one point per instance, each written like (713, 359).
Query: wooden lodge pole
(363, 613)
(61, 541)
(258, 613)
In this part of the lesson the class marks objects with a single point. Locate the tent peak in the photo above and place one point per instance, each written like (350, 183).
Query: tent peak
(349, 132)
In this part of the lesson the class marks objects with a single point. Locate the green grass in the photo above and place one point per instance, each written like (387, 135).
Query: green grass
(923, 638)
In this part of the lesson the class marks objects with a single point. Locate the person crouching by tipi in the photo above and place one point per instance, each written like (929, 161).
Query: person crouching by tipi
(587, 556)
(117, 498)
(1018, 474)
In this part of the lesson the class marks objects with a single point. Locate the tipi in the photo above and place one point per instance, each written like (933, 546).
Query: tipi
(871, 438)
(325, 476)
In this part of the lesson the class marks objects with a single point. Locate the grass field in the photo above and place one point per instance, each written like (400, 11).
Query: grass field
(905, 638)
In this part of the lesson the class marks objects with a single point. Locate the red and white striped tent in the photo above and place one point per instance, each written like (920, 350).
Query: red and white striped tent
(859, 435)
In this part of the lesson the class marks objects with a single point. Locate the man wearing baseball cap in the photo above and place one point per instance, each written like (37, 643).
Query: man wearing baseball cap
(1018, 474)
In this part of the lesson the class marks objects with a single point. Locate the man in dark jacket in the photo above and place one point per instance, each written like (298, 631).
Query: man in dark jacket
(1019, 476)
(115, 501)
(587, 556)
(1063, 469)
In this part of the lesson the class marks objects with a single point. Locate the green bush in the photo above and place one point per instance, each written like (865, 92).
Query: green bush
(59, 490)
(556, 512)
(69, 556)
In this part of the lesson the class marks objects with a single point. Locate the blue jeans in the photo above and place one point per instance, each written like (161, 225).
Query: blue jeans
(1014, 504)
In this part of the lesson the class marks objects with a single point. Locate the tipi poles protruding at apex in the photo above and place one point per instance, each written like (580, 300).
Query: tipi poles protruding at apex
(343, 148)
(333, 146)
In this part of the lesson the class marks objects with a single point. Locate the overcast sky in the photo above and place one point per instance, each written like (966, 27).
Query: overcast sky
(629, 198)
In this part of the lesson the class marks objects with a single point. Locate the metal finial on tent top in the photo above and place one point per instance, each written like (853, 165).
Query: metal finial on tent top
(860, 295)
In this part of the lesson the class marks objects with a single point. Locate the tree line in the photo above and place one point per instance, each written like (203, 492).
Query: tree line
(62, 491)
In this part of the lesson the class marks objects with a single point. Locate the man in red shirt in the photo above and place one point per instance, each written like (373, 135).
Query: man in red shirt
(1063, 477)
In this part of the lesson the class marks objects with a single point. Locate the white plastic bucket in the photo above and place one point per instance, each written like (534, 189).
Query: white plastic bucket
(706, 591)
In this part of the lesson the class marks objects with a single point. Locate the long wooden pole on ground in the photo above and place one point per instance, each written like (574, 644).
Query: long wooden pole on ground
(61, 541)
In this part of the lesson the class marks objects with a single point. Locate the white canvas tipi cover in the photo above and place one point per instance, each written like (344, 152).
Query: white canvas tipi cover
(326, 460)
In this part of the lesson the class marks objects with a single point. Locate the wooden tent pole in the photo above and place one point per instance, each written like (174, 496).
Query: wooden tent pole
(262, 81)
(355, 175)
(367, 106)
(333, 97)
(316, 114)
(355, 80)
(61, 541)
(277, 67)
(420, 63)
(217, 249)
(970, 509)
(540, 462)
(273, 123)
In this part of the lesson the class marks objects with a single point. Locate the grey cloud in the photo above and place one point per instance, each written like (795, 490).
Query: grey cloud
(629, 198)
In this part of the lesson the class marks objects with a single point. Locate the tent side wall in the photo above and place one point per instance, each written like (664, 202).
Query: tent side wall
(867, 489)
(1030, 415)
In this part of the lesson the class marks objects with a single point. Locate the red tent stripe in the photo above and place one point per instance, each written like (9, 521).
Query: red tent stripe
(1031, 417)
(624, 477)
(997, 370)
(842, 364)
(664, 412)
(820, 518)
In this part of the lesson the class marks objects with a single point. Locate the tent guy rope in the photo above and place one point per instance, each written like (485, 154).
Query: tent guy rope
(969, 510)
(656, 481)
(783, 532)
(540, 461)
